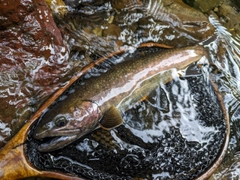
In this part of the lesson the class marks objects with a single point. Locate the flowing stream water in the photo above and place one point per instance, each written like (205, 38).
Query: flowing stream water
(176, 133)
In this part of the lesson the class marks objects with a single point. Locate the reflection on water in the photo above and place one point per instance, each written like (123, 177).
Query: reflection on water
(177, 132)
(130, 23)
(36, 58)
(32, 57)
(225, 55)
(151, 21)
(93, 29)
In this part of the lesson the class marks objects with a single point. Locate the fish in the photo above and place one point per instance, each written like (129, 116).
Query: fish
(98, 103)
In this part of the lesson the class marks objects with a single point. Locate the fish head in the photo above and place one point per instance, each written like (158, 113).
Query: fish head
(66, 125)
(60, 125)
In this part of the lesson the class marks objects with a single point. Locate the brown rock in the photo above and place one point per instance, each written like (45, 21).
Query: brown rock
(32, 60)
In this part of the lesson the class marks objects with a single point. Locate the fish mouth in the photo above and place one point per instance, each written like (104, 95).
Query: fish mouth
(54, 143)
(41, 134)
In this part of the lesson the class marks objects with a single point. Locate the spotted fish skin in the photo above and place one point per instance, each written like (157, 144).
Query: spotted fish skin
(98, 101)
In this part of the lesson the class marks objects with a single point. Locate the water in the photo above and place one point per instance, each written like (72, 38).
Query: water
(27, 76)
(228, 79)
(224, 55)
(34, 65)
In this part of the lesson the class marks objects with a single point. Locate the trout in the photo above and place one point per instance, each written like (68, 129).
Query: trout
(99, 101)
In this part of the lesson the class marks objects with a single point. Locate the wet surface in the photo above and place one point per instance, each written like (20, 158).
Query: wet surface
(38, 56)
(35, 62)
(226, 58)
(32, 57)
(176, 134)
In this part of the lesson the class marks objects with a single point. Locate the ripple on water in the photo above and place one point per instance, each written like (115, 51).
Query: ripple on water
(225, 54)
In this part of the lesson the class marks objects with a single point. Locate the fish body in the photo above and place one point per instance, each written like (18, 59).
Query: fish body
(99, 100)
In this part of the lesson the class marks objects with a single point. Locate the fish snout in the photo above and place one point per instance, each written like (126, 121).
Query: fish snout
(38, 134)
(43, 130)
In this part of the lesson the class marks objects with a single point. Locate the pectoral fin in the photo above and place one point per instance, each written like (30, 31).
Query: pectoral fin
(111, 118)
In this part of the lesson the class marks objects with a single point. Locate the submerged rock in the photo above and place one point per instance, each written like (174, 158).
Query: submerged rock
(203, 5)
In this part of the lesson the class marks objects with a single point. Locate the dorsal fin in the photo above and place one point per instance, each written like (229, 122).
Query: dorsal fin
(111, 118)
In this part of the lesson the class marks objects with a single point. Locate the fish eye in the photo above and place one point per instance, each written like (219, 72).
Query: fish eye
(61, 121)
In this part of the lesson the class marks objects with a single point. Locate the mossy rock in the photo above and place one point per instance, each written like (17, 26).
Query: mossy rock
(57, 7)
